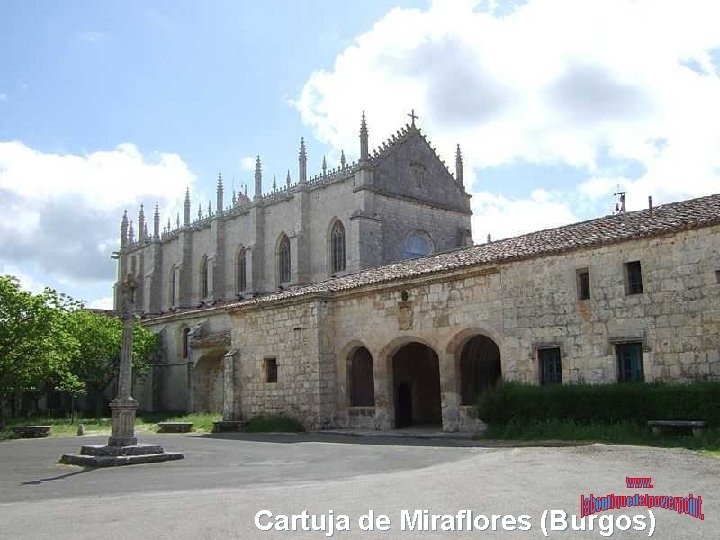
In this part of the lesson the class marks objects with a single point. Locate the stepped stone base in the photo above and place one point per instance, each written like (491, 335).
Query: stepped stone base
(228, 425)
(175, 427)
(31, 432)
(113, 456)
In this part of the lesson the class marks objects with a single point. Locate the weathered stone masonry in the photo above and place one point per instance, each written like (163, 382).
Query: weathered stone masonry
(520, 294)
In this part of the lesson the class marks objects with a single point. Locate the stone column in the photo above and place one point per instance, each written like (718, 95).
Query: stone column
(229, 386)
(384, 395)
(449, 394)
(124, 406)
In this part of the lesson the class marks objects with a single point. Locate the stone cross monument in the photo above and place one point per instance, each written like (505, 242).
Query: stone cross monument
(122, 447)
(124, 406)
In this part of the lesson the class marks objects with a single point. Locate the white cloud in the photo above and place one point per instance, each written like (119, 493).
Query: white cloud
(584, 84)
(101, 303)
(27, 282)
(502, 217)
(61, 213)
(247, 163)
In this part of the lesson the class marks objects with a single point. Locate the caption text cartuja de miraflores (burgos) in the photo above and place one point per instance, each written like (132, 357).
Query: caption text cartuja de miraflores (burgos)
(551, 520)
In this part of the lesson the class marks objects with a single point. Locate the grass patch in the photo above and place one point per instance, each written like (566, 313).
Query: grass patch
(625, 432)
(145, 422)
(60, 427)
(202, 421)
(273, 423)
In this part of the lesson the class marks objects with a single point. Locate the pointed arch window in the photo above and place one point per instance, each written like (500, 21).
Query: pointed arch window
(241, 277)
(284, 262)
(204, 277)
(337, 248)
(417, 244)
(173, 288)
(185, 342)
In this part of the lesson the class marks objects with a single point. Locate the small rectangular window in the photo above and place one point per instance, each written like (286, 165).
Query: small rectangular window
(271, 370)
(717, 276)
(633, 278)
(550, 365)
(583, 284)
(629, 362)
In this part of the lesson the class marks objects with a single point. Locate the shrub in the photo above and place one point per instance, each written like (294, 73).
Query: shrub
(604, 403)
(273, 423)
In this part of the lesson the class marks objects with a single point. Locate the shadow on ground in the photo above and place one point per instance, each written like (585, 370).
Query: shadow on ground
(395, 438)
(59, 477)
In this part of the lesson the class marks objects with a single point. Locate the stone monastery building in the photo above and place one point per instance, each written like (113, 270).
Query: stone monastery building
(355, 298)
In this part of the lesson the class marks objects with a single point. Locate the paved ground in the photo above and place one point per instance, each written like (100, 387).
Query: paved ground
(225, 481)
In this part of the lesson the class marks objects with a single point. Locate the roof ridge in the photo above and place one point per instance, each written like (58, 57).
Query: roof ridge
(669, 217)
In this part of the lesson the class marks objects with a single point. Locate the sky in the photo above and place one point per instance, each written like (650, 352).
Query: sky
(556, 104)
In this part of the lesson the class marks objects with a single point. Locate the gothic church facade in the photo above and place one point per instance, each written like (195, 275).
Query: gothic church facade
(415, 326)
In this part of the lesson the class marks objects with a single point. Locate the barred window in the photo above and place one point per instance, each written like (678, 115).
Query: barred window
(583, 279)
(550, 365)
(633, 278)
(629, 362)
(271, 370)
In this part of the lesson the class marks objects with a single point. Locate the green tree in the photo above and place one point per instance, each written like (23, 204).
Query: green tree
(36, 348)
(100, 338)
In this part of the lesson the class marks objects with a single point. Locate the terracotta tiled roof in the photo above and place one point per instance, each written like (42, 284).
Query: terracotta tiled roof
(663, 219)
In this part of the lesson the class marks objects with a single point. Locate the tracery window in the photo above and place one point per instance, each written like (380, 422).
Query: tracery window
(417, 244)
(337, 248)
(284, 262)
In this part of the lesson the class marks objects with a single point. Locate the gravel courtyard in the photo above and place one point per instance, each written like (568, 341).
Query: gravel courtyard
(225, 481)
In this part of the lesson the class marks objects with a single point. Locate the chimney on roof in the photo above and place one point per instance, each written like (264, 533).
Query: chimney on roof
(620, 203)
(650, 206)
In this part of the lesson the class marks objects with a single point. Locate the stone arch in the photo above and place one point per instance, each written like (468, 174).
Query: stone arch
(477, 362)
(455, 345)
(414, 381)
(337, 246)
(284, 259)
(397, 343)
(361, 379)
(207, 383)
(343, 358)
(418, 243)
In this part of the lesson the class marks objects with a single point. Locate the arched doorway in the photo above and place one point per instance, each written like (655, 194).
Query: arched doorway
(479, 367)
(208, 383)
(416, 386)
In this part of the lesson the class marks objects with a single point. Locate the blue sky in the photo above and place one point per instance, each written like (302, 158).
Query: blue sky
(104, 105)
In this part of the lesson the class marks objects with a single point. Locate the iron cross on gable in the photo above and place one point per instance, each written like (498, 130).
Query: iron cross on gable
(413, 117)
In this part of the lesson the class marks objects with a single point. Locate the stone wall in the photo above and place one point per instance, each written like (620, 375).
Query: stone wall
(405, 189)
(289, 336)
(521, 305)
